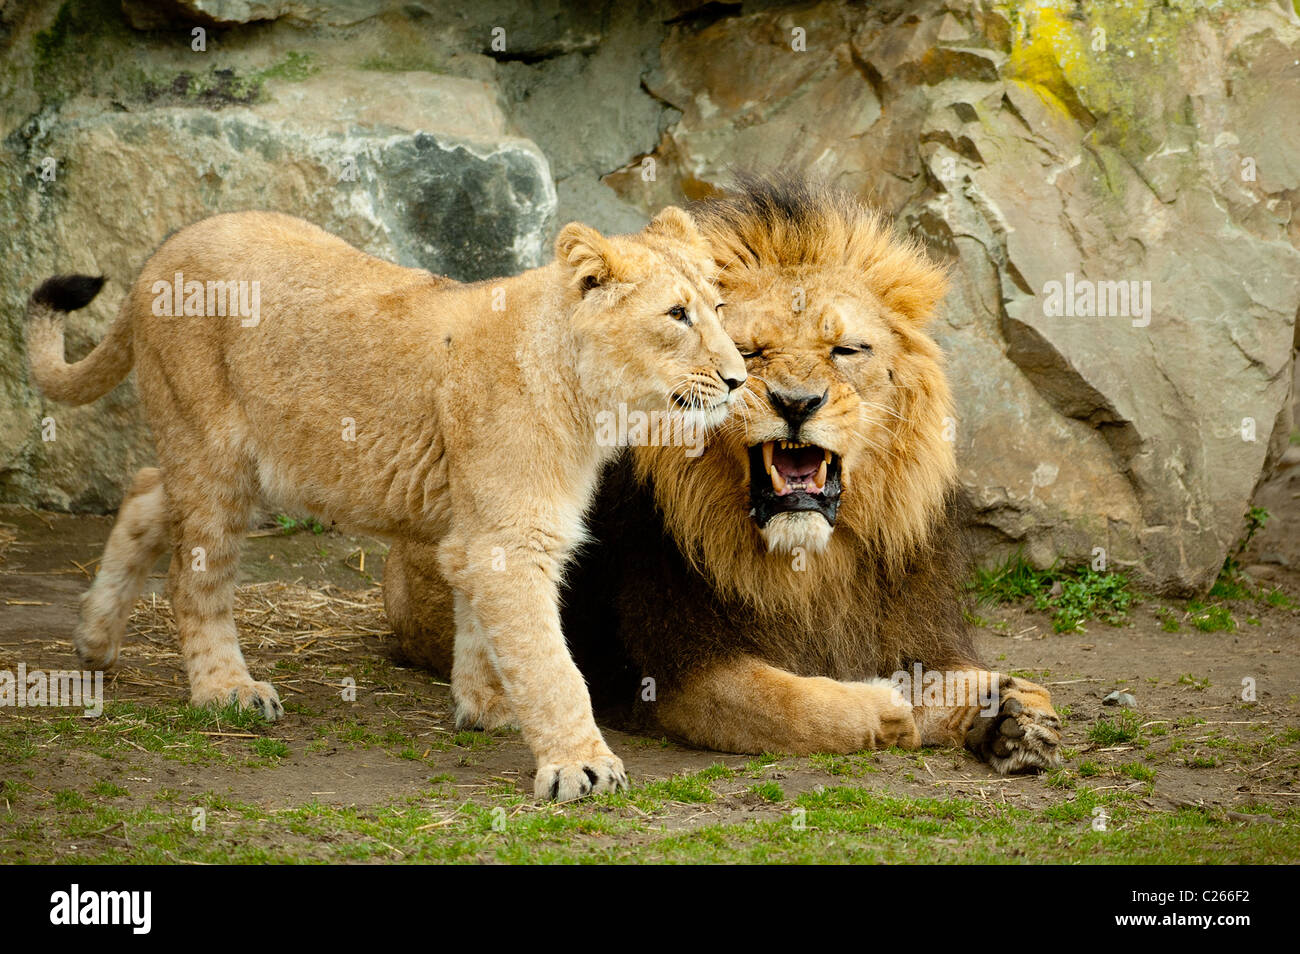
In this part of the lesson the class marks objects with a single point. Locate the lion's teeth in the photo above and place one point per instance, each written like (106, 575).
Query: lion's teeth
(767, 455)
(778, 482)
(827, 458)
(821, 476)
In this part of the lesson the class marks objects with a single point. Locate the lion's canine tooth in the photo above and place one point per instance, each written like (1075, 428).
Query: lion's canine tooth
(767, 455)
(827, 456)
(821, 476)
(778, 482)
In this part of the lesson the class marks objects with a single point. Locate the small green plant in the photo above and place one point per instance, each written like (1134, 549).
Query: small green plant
(69, 798)
(1210, 617)
(1123, 728)
(1061, 778)
(1138, 771)
(1232, 584)
(769, 792)
(292, 525)
(1275, 597)
(1168, 620)
(1073, 596)
(270, 748)
(1187, 679)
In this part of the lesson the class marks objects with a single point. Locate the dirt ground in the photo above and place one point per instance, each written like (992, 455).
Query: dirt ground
(1195, 772)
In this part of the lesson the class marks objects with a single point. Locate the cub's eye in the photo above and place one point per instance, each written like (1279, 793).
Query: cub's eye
(843, 350)
(679, 312)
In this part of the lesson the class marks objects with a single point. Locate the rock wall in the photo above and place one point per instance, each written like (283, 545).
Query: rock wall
(1112, 183)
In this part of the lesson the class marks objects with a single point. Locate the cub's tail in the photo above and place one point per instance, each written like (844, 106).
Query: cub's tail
(94, 375)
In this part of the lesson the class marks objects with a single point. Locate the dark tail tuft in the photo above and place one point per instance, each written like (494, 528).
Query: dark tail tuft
(68, 292)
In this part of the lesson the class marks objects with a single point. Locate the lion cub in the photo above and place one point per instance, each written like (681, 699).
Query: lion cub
(279, 365)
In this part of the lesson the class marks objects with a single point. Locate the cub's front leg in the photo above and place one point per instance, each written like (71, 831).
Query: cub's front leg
(513, 599)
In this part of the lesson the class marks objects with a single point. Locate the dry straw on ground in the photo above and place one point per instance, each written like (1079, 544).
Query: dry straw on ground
(276, 620)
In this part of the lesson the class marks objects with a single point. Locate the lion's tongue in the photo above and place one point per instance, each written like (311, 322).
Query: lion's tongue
(798, 469)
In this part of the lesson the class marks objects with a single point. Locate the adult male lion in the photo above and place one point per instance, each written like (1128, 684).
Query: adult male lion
(766, 585)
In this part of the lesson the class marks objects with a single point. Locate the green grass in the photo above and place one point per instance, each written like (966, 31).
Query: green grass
(1138, 771)
(1124, 727)
(270, 748)
(830, 825)
(174, 732)
(769, 792)
(1073, 596)
(290, 525)
(1210, 617)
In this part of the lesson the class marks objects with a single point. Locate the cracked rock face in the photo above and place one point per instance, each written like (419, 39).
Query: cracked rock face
(1126, 278)
(1113, 186)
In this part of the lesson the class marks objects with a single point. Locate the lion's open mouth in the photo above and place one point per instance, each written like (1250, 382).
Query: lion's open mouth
(789, 477)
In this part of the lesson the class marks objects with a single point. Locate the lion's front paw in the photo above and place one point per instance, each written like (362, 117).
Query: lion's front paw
(1024, 735)
(247, 694)
(890, 720)
(562, 780)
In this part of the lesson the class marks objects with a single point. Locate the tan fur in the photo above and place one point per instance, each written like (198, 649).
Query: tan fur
(873, 594)
(138, 539)
(854, 287)
(408, 407)
(746, 705)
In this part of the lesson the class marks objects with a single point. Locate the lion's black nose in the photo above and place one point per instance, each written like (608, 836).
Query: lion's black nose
(796, 408)
(733, 383)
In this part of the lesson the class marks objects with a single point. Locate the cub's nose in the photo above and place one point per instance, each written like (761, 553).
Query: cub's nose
(733, 383)
(796, 408)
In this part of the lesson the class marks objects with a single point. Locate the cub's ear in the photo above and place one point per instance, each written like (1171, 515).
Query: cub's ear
(676, 224)
(588, 253)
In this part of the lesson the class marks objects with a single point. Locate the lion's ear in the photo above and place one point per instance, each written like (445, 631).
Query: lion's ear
(588, 253)
(917, 291)
(677, 224)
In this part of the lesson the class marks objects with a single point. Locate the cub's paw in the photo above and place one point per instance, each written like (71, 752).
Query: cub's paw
(95, 651)
(1025, 735)
(484, 710)
(889, 718)
(565, 780)
(258, 696)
